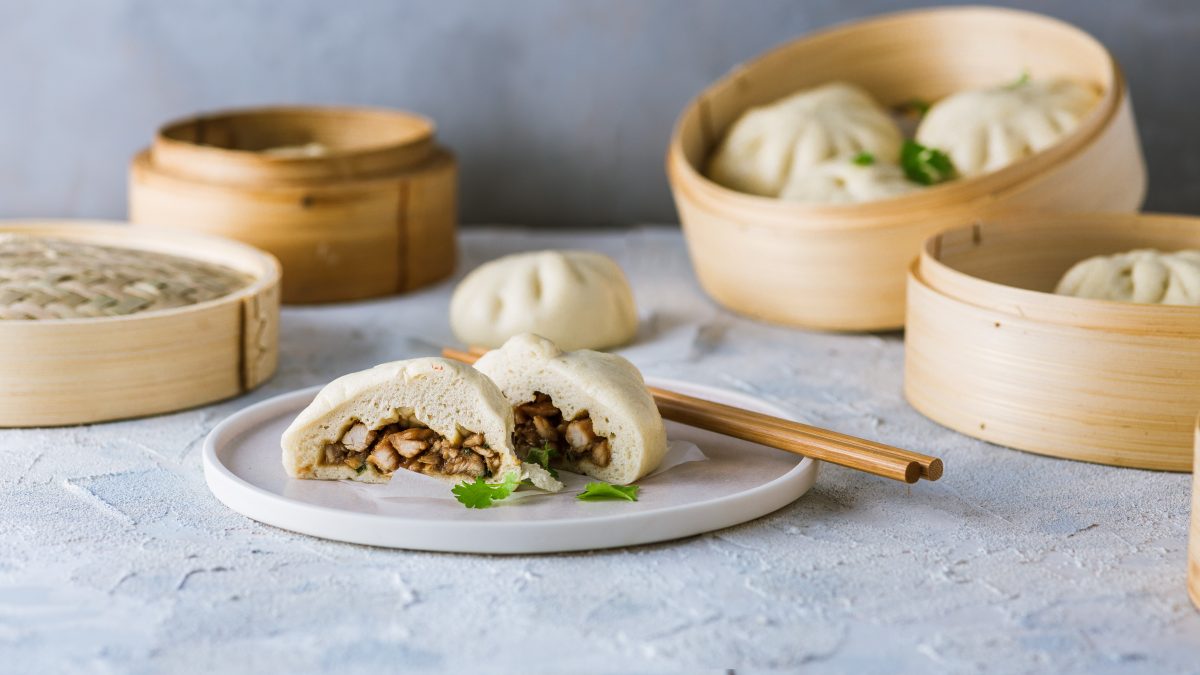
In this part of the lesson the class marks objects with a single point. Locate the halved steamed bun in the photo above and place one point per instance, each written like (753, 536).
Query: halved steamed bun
(589, 409)
(433, 416)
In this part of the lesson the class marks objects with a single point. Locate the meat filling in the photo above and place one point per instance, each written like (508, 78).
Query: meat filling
(413, 447)
(539, 424)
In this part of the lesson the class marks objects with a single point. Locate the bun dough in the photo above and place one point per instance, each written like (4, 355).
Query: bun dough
(841, 181)
(987, 129)
(768, 145)
(447, 396)
(578, 299)
(606, 386)
(1144, 276)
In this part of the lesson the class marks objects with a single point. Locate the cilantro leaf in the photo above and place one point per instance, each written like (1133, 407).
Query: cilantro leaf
(542, 456)
(601, 491)
(864, 159)
(924, 165)
(480, 494)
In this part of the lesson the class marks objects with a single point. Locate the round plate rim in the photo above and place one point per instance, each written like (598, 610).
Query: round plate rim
(262, 505)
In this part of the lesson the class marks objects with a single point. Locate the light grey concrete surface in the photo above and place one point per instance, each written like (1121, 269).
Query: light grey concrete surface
(560, 111)
(114, 557)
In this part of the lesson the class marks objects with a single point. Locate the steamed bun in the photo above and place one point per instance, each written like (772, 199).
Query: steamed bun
(1145, 276)
(987, 129)
(594, 409)
(577, 299)
(770, 144)
(841, 181)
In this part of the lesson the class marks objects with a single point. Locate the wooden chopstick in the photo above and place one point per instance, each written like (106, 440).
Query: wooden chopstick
(801, 439)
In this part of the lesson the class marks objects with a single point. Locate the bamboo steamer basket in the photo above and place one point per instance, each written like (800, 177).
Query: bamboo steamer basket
(843, 267)
(373, 214)
(78, 371)
(1193, 572)
(990, 350)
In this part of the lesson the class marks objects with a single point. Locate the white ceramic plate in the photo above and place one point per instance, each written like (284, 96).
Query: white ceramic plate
(738, 481)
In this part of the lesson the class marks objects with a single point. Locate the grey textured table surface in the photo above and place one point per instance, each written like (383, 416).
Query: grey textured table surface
(114, 557)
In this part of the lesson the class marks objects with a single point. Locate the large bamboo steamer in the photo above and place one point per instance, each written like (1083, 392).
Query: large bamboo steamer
(78, 371)
(1193, 571)
(990, 350)
(843, 267)
(373, 215)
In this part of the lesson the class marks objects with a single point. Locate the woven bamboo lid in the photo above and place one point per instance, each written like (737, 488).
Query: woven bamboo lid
(47, 278)
(109, 321)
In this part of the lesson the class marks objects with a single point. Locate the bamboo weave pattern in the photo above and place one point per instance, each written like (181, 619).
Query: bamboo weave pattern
(42, 278)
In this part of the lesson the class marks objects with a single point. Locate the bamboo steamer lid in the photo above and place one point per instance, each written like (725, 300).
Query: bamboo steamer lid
(990, 351)
(103, 321)
(843, 267)
(354, 202)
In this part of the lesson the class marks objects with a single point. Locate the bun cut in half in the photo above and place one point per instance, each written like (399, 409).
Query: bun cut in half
(589, 411)
(432, 416)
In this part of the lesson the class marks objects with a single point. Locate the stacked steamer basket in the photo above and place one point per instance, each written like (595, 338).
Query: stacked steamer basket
(355, 203)
(1193, 573)
(94, 329)
(843, 267)
(992, 352)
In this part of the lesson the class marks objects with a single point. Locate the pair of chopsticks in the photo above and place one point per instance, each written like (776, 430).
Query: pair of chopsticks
(794, 437)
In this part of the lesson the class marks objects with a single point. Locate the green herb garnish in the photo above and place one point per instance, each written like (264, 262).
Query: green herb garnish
(924, 165)
(864, 159)
(916, 105)
(1020, 81)
(601, 491)
(541, 456)
(481, 494)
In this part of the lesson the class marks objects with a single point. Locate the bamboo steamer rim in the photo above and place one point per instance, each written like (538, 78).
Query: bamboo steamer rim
(408, 141)
(966, 193)
(936, 271)
(262, 266)
(438, 159)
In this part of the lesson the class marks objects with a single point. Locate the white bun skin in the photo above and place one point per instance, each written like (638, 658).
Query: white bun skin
(1143, 276)
(447, 396)
(579, 299)
(841, 181)
(769, 144)
(987, 129)
(607, 386)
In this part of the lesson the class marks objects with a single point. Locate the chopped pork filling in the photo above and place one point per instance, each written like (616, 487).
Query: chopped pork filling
(540, 423)
(412, 447)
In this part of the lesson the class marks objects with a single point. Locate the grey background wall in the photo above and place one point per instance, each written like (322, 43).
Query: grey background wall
(559, 110)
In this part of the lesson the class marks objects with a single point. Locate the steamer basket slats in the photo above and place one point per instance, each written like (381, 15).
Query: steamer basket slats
(844, 267)
(990, 350)
(78, 371)
(1193, 570)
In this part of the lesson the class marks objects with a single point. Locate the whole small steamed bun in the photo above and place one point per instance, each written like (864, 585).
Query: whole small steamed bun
(841, 181)
(987, 129)
(1144, 276)
(769, 144)
(577, 299)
